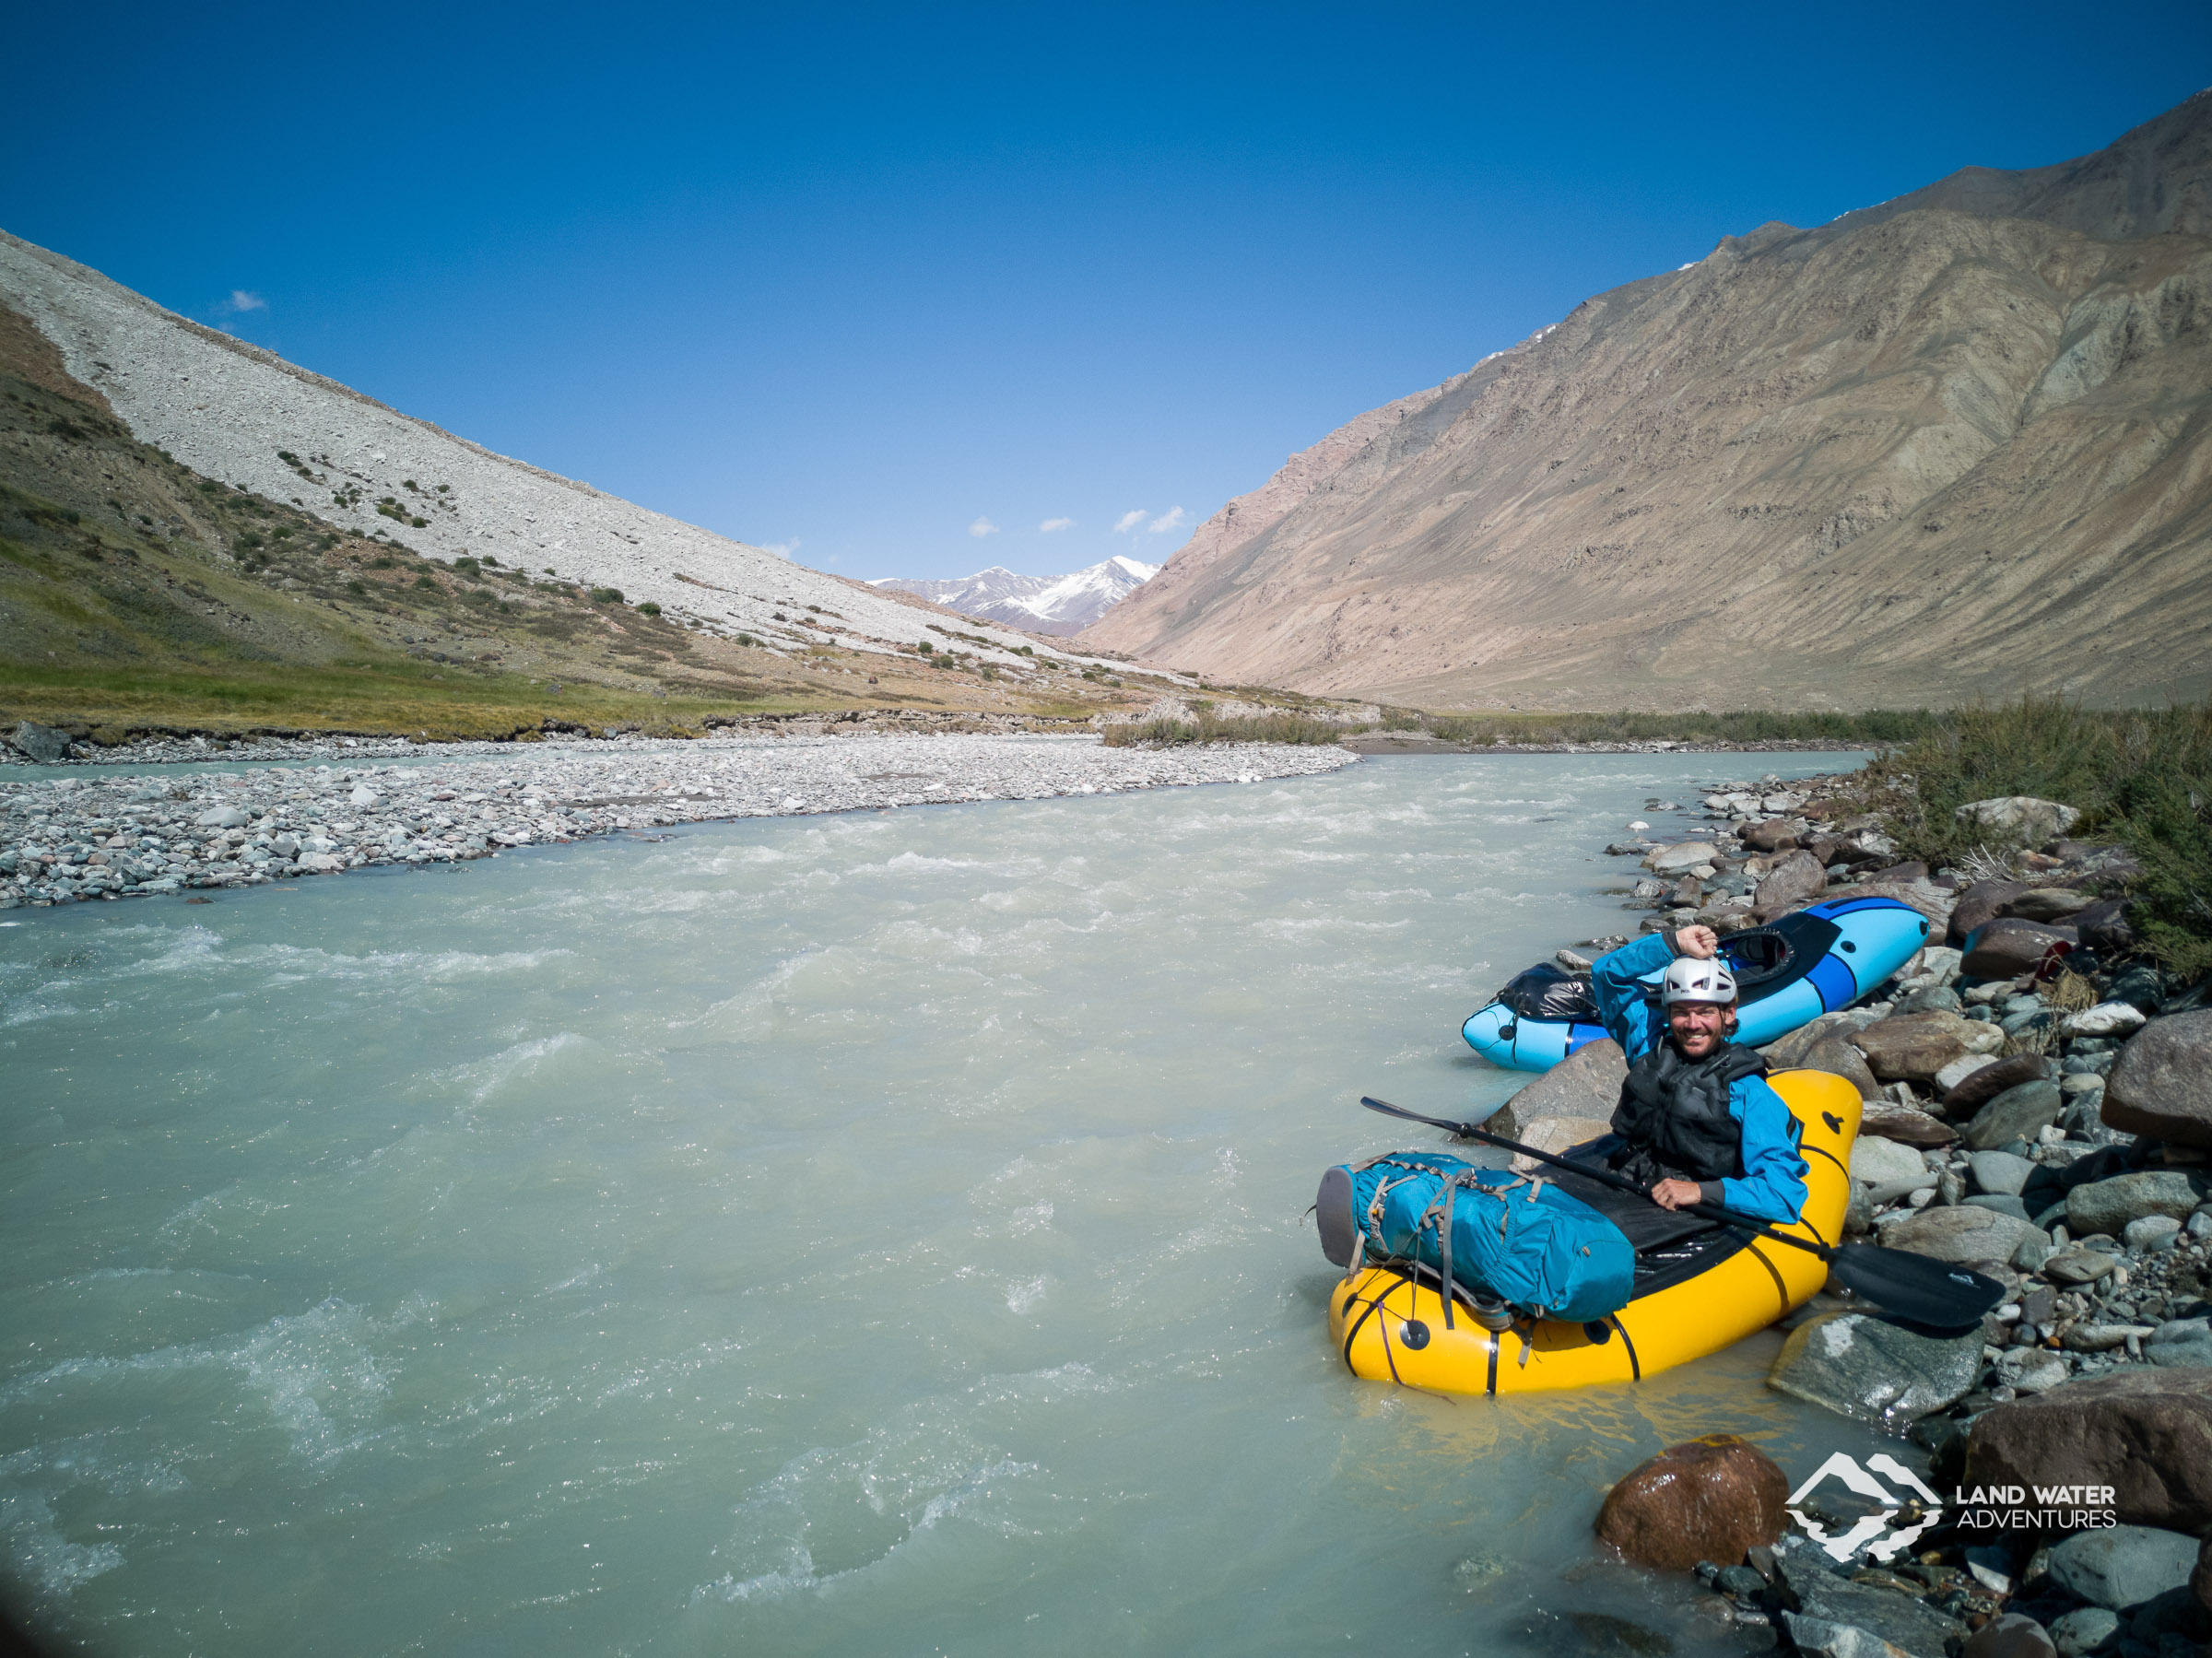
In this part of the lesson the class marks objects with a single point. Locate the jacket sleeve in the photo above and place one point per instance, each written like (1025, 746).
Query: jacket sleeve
(1773, 1183)
(1620, 1003)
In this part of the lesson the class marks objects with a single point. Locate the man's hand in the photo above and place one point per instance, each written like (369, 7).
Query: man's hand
(1700, 944)
(1673, 1194)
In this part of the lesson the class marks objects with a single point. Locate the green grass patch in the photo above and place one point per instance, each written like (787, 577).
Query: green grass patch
(1255, 728)
(2142, 778)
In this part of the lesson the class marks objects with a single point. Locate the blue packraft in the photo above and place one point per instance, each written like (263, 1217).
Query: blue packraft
(1500, 1235)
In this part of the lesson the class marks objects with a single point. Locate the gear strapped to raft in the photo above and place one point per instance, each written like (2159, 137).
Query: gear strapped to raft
(1494, 1236)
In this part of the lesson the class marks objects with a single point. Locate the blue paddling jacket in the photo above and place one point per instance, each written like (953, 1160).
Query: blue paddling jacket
(1773, 1185)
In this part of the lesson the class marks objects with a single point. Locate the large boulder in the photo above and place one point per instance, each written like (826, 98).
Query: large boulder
(1857, 1365)
(1585, 1084)
(2122, 1566)
(1839, 1058)
(2006, 950)
(1963, 1234)
(2018, 820)
(1775, 835)
(1912, 1047)
(2200, 1580)
(2107, 1205)
(1978, 1087)
(1977, 904)
(1709, 1500)
(2009, 1635)
(2015, 1114)
(1888, 1170)
(1797, 879)
(41, 744)
(1822, 1612)
(2048, 904)
(2161, 1084)
(2146, 1433)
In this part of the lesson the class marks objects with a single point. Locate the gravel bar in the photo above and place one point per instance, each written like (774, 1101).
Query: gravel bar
(98, 835)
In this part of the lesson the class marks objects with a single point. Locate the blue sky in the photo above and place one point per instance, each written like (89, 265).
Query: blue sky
(862, 281)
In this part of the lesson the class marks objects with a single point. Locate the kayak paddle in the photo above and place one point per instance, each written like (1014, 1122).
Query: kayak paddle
(1914, 1288)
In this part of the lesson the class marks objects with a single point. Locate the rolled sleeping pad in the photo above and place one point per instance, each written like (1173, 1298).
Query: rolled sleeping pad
(1787, 973)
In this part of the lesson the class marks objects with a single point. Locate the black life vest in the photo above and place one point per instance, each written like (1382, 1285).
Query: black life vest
(1673, 1118)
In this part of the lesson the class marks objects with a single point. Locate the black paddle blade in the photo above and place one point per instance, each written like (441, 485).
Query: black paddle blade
(1914, 1288)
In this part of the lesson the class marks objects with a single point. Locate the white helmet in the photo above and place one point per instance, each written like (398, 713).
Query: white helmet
(1692, 981)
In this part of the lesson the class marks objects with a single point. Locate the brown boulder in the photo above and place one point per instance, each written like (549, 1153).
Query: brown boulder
(1773, 836)
(1912, 1047)
(1796, 879)
(1978, 906)
(2006, 949)
(2148, 1433)
(1585, 1084)
(1905, 1125)
(1974, 1092)
(2161, 1084)
(1709, 1500)
(1839, 1058)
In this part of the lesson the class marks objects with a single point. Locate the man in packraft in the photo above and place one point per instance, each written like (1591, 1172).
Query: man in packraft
(1697, 1122)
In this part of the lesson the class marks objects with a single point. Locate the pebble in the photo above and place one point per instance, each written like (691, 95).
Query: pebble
(98, 834)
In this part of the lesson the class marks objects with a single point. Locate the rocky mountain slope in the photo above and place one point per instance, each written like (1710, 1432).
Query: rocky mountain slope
(244, 416)
(1955, 446)
(138, 594)
(1055, 605)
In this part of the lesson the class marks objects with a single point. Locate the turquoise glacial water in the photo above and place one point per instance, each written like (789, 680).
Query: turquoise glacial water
(878, 1233)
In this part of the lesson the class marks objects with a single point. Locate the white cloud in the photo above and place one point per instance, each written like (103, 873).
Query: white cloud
(1050, 525)
(782, 549)
(981, 527)
(240, 300)
(1128, 520)
(1166, 521)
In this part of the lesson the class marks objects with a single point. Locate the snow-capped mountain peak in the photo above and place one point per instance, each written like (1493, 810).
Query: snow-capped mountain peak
(1054, 604)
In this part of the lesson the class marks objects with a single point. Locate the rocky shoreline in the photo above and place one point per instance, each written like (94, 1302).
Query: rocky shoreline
(103, 835)
(2038, 1107)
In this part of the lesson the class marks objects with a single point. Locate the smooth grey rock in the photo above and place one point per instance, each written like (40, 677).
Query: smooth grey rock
(2150, 1231)
(2159, 1087)
(225, 818)
(2003, 1202)
(1680, 858)
(1890, 1168)
(2122, 1567)
(2083, 1630)
(2077, 1267)
(1823, 1638)
(2182, 1343)
(2106, 1018)
(1585, 1084)
(2000, 1171)
(1958, 1070)
(2107, 1205)
(1963, 1234)
(2032, 1369)
(2015, 1114)
(1860, 1366)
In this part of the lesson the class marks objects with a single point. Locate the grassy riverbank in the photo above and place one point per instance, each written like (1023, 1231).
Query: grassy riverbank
(2141, 778)
(1535, 729)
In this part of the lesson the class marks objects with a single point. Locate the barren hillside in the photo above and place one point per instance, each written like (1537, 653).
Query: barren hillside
(1954, 446)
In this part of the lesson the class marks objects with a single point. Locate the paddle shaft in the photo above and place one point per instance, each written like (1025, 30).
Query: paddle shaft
(1605, 1177)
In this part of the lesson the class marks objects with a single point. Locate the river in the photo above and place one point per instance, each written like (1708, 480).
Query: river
(869, 1233)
